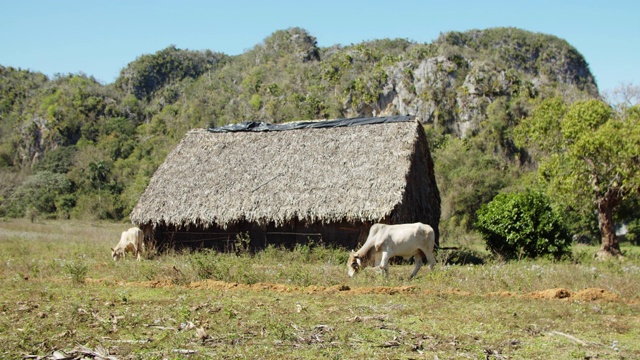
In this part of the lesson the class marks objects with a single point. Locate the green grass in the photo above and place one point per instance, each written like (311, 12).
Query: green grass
(60, 289)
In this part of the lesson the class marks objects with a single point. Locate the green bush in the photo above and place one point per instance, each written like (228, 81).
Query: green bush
(38, 195)
(77, 270)
(208, 265)
(633, 232)
(522, 225)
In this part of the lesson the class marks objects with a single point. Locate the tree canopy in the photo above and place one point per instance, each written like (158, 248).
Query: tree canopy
(593, 160)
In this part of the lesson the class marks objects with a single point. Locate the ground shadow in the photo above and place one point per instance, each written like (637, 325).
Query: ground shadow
(460, 256)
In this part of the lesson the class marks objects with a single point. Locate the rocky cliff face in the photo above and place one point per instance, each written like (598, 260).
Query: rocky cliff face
(456, 88)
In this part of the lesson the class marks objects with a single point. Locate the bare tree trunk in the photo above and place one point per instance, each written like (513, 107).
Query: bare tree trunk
(610, 244)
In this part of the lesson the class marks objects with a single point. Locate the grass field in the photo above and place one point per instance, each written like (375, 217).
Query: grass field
(61, 295)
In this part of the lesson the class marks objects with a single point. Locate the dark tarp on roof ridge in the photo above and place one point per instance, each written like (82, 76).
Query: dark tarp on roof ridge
(262, 126)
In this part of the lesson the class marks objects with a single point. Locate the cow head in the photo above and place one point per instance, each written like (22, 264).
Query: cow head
(117, 253)
(354, 264)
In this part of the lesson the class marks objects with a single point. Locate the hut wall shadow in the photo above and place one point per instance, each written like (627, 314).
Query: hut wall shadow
(250, 237)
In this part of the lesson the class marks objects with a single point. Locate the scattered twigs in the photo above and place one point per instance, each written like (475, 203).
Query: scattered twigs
(570, 337)
(79, 352)
(160, 327)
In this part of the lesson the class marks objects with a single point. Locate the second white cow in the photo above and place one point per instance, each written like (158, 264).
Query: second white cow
(386, 241)
(131, 241)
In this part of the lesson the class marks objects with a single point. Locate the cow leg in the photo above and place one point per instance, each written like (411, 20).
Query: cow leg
(431, 259)
(418, 260)
(384, 263)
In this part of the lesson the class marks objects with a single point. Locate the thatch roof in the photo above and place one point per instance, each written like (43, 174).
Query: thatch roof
(323, 175)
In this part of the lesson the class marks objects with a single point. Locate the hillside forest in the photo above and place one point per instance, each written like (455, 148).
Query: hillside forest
(506, 111)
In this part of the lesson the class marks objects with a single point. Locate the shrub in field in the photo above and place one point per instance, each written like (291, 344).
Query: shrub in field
(77, 269)
(633, 232)
(38, 195)
(313, 251)
(522, 225)
(207, 264)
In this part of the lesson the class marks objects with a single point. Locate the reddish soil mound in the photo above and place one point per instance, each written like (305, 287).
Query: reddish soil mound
(383, 290)
(312, 289)
(595, 294)
(589, 294)
(213, 284)
(551, 294)
(274, 287)
(502, 294)
(223, 285)
(560, 293)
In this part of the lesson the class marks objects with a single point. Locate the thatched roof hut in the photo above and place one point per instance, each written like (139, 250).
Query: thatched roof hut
(332, 183)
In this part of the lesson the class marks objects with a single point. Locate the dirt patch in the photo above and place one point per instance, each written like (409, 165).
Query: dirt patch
(589, 294)
(595, 294)
(383, 290)
(501, 294)
(223, 285)
(311, 289)
(213, 285)
(274, 287)
(559, 293)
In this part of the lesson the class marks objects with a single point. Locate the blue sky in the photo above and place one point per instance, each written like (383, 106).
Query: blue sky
(99, 38)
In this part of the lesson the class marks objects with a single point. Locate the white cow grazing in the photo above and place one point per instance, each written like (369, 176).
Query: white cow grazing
(132, 241)
(386, 241)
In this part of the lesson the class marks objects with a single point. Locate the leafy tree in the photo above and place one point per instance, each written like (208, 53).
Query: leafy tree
(40, 192)
(516, 225)
(295, 43)
(467, 178)
(58, 160)
(98, 173)
(594, 157)
(633, 231)
(149, 73)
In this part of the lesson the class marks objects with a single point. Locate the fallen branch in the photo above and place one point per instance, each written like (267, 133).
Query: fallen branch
(125, 341)
(160, 327)
(389, 344)
(184, 351)
(79, 352)
(570, 337)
